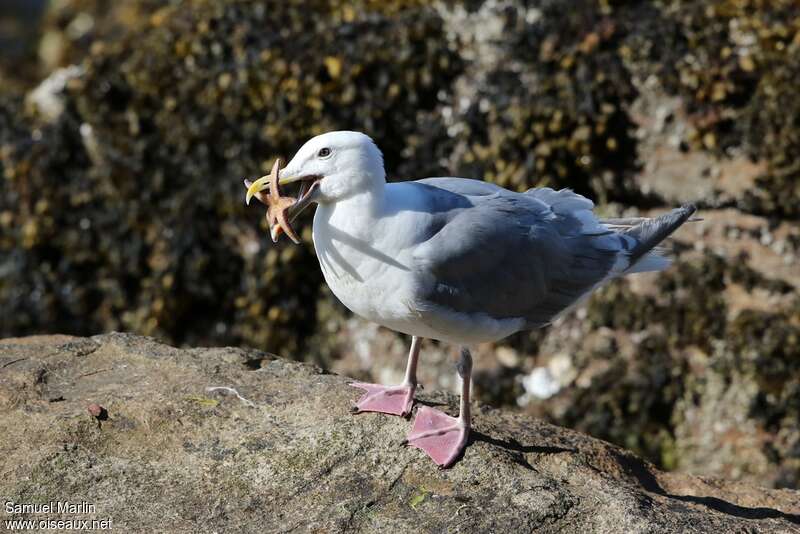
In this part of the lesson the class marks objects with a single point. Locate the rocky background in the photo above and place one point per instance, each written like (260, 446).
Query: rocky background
(126, 129)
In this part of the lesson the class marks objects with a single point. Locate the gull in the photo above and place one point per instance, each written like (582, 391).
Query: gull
(458, 260)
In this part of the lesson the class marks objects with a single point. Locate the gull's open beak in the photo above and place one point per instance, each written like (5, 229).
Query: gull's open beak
(307, 195)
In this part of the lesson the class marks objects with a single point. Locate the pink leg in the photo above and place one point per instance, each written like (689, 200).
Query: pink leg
(442, 437)
(394, 400)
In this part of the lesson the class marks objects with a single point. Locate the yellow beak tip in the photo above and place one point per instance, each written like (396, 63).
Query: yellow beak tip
(256, 187)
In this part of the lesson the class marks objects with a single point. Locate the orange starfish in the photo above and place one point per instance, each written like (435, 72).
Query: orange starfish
(277, 207)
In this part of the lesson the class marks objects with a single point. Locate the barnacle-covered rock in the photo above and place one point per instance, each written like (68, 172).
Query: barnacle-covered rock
(542, 101)
(71, 28)
(734, 63)
(19, 35)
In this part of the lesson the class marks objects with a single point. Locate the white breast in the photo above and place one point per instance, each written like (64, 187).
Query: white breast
(365, 267)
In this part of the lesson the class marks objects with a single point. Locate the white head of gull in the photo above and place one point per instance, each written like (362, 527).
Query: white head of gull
(453, 259)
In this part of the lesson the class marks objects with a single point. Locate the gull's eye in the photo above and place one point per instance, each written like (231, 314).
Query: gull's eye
(324, 152)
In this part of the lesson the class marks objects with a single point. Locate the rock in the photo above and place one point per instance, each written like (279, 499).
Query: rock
(279, 451)
(675, 172)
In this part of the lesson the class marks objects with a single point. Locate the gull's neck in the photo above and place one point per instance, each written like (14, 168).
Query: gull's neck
(368, 201)
(356, 213)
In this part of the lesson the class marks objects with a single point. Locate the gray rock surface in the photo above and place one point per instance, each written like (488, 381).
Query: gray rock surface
(170, 455)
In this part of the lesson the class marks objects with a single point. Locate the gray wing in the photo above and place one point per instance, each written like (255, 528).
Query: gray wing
(511, 255)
